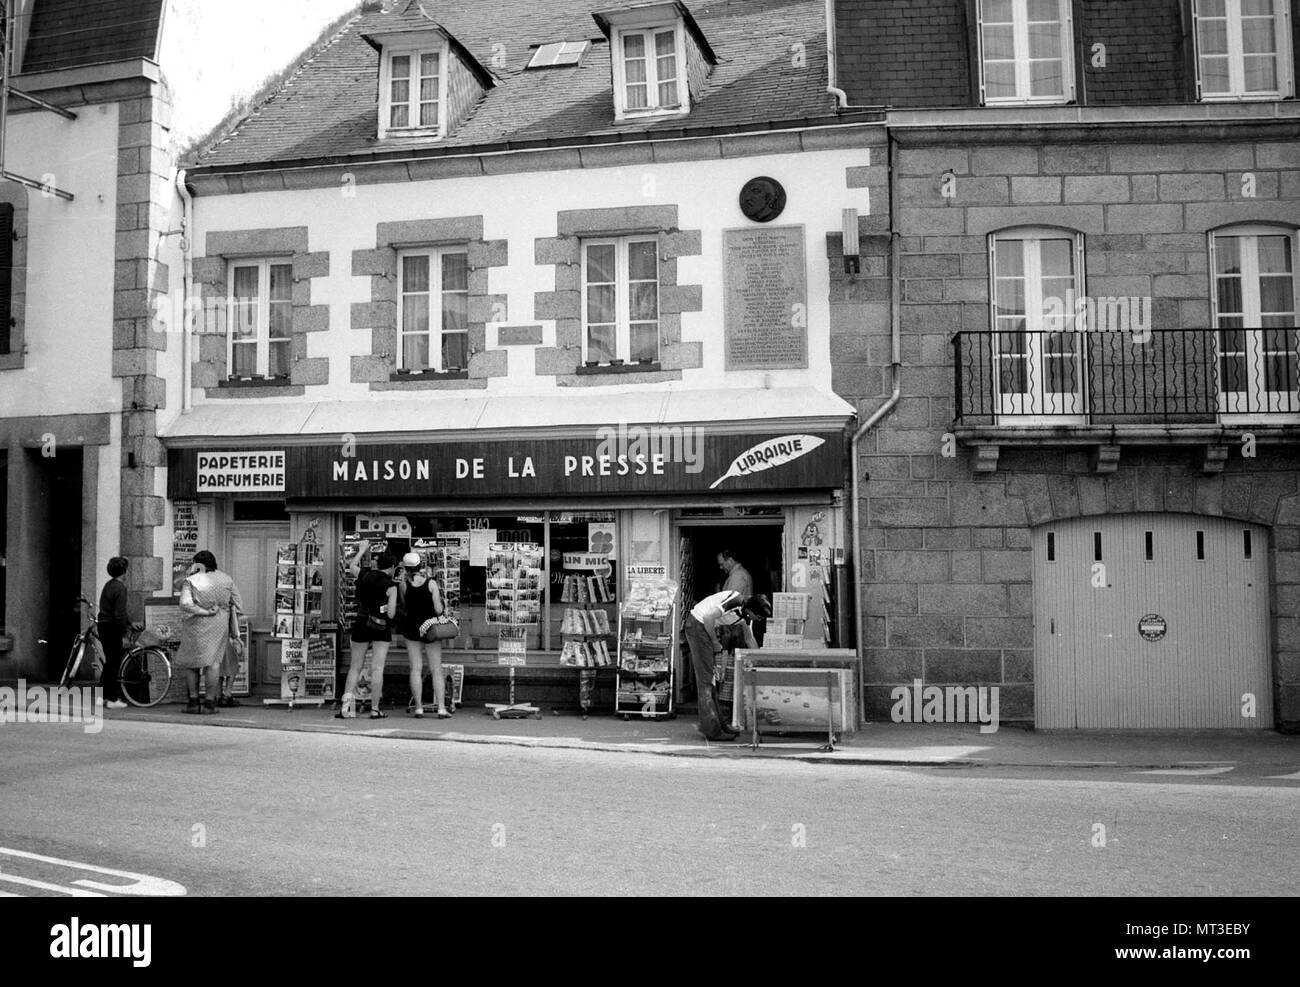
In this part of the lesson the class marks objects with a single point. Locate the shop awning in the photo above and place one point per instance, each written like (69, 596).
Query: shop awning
(453, 417)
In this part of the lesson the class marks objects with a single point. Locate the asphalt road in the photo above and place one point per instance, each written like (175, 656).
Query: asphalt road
(236, 812)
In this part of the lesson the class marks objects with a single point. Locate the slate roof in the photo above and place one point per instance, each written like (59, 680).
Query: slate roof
(328, 108)
(70, 33)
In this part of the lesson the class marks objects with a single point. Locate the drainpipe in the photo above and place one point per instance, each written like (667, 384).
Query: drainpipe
(841, 97)
(895, 370)
(187, 281)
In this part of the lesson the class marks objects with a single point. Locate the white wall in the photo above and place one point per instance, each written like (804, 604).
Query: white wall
(522, 208)
(68, 325)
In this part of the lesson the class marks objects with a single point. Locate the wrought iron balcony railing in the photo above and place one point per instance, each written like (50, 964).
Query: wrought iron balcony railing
(1176, 376)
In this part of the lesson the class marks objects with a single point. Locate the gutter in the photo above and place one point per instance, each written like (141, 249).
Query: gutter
(832, 59)
(895, 369)
(187, 281)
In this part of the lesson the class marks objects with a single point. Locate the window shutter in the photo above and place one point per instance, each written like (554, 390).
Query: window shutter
(1195, 47)
(1285, 51)
(993, 283)
(6, 274)
(1214, 285)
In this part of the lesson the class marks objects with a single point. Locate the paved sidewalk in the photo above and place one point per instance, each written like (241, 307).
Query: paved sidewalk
(875, 743)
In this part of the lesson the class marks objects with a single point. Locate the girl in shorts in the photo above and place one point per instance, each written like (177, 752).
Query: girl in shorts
(421, 601)
(376, 609)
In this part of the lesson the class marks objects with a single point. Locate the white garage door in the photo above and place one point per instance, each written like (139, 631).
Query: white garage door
(1151, 621)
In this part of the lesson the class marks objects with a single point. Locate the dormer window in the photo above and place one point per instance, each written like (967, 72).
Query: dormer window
(412, 89)
(655, 51)
(651, 79)
(414, 83)
(428, 81)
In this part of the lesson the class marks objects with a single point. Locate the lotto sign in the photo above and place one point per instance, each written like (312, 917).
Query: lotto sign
(246, 472)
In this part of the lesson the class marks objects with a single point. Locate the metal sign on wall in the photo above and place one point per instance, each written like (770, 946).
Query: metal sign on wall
(679, 461)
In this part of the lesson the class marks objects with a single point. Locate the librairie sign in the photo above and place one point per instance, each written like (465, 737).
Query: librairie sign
(529, 467)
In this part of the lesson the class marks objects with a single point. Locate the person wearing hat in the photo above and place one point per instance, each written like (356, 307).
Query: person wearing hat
(376, 609)
(421, 602)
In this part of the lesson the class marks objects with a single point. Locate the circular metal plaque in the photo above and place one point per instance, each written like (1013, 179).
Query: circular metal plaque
(1153, 627)
(762, 199)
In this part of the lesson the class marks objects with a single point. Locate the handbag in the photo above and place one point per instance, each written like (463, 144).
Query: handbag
(440, 629)
(376, 623)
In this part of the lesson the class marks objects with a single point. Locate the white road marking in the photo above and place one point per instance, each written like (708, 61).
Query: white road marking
(46, 886)
(141, 884)
(1186, 772)
(1290, 777)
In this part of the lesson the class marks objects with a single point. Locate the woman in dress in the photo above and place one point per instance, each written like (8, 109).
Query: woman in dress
(421, 601)
(210, 608)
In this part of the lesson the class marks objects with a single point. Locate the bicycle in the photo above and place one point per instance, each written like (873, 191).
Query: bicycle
(145, 675)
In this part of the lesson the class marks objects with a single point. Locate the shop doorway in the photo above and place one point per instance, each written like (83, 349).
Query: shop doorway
(59, 479)
(251, 539)
(757, 547)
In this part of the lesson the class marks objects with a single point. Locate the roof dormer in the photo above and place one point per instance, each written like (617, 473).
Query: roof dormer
(428, 81)
(660, 58)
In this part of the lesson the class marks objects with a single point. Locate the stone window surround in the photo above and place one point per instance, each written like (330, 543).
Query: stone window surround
(378, 368)
(211, 276)
(564, 361)
(16, 196)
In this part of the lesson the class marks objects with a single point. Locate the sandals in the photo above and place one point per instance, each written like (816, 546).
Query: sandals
(418, 712)
(378, 714)
(443, 715)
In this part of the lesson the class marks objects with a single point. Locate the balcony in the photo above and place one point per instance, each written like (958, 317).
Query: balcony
(1204, 387)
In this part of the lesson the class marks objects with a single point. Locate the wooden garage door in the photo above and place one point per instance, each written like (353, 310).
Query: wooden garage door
(1173, 637)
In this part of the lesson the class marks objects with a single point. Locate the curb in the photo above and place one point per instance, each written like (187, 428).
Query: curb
(736, 752)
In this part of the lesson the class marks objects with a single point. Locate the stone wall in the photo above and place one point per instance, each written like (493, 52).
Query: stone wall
(946, 573)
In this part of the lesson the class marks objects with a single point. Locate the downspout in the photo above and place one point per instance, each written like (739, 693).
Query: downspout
(187, 281)
(841, 97)
(895, 369)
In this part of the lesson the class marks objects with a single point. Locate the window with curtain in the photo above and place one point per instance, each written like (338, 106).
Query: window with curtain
(433, 317)
(1243, 49)
(261, 318)
(1026, 51)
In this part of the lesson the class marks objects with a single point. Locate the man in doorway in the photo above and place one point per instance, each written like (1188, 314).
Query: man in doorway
(738, 580)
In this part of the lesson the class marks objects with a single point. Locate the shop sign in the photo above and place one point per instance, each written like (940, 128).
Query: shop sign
(1153, 627)
(240, 472)
(391, 526)
(525, 468)
(642, 570)
(769, 455)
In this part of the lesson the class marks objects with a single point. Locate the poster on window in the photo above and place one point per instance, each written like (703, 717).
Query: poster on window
(185, 540)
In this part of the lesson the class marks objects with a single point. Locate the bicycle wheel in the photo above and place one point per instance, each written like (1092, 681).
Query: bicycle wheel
(145, 676)
(75, 656)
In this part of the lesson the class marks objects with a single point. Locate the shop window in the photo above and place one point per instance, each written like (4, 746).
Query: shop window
(620, 278)
(261, 319)
(1243, 49)
(566, 543)
(259, 510)
(433, 317)
(1025, 51)
(411, 89)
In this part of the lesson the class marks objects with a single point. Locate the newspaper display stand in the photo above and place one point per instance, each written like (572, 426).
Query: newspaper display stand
(514, 594)
(647, 626)
(812, 691)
